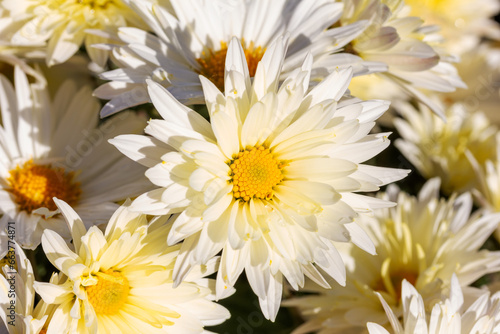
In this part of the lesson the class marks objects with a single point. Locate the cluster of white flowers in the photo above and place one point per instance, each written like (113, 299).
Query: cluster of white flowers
(261, 155)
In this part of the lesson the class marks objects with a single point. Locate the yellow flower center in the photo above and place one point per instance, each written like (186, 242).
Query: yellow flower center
(94, 3)
(110, 292)
(254, 174)
(33, 186)
(213, 62)
(392, 283)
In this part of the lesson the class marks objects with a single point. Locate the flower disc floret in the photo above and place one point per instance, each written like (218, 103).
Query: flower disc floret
(110, 292)
(255, 172)
(212, 62)
(34, 186)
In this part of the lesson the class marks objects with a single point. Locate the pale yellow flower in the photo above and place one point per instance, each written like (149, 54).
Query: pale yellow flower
(480, 69)
(424, 240)
(463, 23)
(120, 281)
(438, 148)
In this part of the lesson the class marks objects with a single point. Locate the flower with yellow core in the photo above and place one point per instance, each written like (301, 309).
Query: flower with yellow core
(270, 180)
(438, 148)
(254, 174)
(121, 280)
(423, 240)
(192, 39)
(34, 186)
(55, 147)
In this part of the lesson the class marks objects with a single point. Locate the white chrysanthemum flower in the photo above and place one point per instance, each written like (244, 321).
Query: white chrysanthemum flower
(120, 281)
(408, 50)
(59, 25)
(196, 42)
(271, 181)
(438, 148)
(446, 317)
(17, 295)
(463, 23)
(423, 240)
(480, 68)
(56, 148)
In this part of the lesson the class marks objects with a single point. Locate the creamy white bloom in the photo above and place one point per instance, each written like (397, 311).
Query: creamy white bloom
(58, 26)
(55, 147)
(462, 23)
(271, 181)
(424, 240)
(194, 40)
(17, 295)
(447, 316)
(480, 69)
(438, 148)
(410, 52)
(120, 281)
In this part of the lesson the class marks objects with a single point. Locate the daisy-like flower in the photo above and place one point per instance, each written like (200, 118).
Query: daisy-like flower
(17, 295)
(462, 23)
(437, 148)
(120, 281)
(423, 240)
(404, 46)
(56, 148)
(480, 68)
(446, 317)
(271, 181)
(196, 41)
(59, 25)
